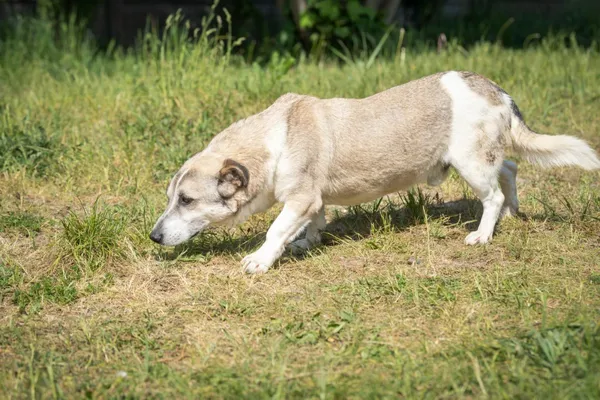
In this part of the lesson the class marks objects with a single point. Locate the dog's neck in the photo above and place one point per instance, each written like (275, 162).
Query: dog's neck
(257, 143)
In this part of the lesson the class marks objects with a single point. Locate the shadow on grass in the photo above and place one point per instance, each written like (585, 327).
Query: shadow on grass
(361, 224)
(357, 223)
(212, 243)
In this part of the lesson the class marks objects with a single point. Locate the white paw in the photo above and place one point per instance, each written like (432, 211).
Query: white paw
(477, 238)
(299, 246)
(254, 264)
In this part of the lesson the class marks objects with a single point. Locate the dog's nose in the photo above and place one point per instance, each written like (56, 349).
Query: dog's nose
(156, 237)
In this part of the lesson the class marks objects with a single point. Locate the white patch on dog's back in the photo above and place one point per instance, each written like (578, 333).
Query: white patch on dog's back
(468, 109)
(474, 119)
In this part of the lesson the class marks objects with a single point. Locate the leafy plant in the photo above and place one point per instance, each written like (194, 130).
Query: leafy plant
(342, 25)
(331, 19)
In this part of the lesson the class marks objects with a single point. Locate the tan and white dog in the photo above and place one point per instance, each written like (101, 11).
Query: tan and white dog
(307, 152)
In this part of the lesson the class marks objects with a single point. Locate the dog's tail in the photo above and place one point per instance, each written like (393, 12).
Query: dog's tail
(549, 150)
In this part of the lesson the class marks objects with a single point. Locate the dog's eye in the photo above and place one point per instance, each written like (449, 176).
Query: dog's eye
(185, 200)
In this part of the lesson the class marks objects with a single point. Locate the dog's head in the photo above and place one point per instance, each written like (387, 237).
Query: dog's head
(205, 191)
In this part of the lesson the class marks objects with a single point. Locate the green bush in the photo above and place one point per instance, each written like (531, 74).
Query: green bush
(333, 23)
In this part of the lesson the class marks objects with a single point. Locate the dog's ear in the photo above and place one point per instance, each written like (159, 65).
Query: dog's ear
(233, 176)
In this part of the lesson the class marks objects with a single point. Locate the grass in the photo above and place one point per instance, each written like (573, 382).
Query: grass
(27, 147)
(25, 223)
(392, 305)
(94, 238)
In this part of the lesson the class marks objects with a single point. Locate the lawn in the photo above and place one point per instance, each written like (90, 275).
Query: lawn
(392, 305)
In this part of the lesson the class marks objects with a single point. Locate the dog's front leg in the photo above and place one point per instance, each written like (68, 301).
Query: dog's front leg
(293, 217)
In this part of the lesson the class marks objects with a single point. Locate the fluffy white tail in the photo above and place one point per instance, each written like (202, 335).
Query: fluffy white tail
(551, 150)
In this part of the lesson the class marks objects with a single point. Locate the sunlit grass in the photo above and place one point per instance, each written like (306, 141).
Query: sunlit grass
(392, 305)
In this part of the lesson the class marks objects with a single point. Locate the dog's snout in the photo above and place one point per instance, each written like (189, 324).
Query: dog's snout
(156, 236)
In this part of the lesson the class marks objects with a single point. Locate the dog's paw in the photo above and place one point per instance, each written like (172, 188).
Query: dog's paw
(252, 264)
(299, 247)
(509, 211)
(477, 238)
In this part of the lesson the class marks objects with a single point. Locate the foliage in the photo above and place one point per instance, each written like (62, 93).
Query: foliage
(332, 20)
(421, 12)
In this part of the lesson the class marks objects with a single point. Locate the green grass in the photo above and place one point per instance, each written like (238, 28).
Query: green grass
(27, 224)
(26, 146)
(94, 238)
(392, 305)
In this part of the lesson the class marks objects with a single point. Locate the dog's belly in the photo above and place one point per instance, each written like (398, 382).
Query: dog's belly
(369, 149)
(355, 191)
(353, 200)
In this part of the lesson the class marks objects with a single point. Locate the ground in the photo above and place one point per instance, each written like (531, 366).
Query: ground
(392, 305)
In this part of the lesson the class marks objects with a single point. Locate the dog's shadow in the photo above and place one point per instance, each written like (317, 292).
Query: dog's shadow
(354, 223)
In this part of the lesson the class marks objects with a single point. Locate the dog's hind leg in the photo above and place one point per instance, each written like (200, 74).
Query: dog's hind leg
(313, 234)
(508, 183)
(483, 178)
(438, 174)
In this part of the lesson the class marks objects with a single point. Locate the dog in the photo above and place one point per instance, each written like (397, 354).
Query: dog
(307, 152)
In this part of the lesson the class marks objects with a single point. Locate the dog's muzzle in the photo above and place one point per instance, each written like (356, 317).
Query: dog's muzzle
(156, 236)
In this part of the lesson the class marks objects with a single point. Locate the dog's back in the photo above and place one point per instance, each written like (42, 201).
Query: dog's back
(368, 147)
